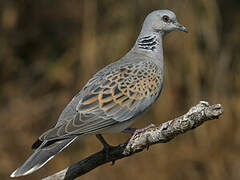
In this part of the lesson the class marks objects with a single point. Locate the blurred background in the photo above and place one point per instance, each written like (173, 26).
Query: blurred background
(49, 49)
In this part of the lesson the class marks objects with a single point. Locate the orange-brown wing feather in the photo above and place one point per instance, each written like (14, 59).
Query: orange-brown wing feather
(123, 88)
(121, 94)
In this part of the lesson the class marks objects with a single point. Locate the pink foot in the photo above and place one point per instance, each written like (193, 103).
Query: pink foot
(140, 130)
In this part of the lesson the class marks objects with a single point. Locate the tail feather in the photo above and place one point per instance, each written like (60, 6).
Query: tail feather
(41, 156)
(37, 144)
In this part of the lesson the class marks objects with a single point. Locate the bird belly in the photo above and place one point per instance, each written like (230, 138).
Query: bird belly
(118, 127)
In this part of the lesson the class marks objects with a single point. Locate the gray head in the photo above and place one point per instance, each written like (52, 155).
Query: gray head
(161, 21)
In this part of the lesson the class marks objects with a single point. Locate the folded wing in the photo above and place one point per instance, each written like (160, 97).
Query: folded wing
(119, 95)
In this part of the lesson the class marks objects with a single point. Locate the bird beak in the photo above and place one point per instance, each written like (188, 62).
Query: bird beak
(180, 27)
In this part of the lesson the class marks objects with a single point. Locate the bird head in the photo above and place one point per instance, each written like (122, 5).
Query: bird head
(162, 21)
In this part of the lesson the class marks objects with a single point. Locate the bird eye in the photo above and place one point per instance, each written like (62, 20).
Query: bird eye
(165, 18)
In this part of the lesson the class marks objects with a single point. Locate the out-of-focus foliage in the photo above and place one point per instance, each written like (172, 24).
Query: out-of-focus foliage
(49, 49)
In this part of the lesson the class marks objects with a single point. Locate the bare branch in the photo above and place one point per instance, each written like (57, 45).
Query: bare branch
(165, 132)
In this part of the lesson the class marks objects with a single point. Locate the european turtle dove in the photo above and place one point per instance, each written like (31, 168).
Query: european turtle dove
(113, 98)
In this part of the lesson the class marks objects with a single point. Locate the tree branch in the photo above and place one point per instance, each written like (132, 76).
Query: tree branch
(196, 116)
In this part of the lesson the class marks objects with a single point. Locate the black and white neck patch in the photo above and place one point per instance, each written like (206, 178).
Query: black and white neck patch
(148, 42)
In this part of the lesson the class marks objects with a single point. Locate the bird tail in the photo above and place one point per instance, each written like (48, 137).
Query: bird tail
(41, 156)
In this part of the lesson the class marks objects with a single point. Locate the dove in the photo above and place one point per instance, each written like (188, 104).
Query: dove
(114, 97)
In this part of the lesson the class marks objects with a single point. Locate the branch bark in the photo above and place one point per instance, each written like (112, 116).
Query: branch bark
(196, 116)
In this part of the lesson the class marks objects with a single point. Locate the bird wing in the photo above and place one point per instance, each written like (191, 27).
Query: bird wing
(111, 97)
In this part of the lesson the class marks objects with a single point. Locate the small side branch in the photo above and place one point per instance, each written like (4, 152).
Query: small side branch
(196, 116)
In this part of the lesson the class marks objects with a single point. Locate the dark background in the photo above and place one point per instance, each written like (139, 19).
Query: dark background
(49, 49)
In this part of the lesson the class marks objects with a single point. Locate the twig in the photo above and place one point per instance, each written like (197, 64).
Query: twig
(165, 132)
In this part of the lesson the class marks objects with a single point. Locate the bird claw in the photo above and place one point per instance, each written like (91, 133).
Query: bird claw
(107, 150)
(141, 130)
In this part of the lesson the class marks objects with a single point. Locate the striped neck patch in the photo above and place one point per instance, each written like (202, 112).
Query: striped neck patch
(148, 42)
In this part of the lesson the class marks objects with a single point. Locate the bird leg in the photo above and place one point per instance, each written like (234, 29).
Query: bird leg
(129, 130)
(106, 147)
(135, 131)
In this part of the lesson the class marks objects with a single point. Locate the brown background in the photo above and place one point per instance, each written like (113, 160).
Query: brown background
(49, 49)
